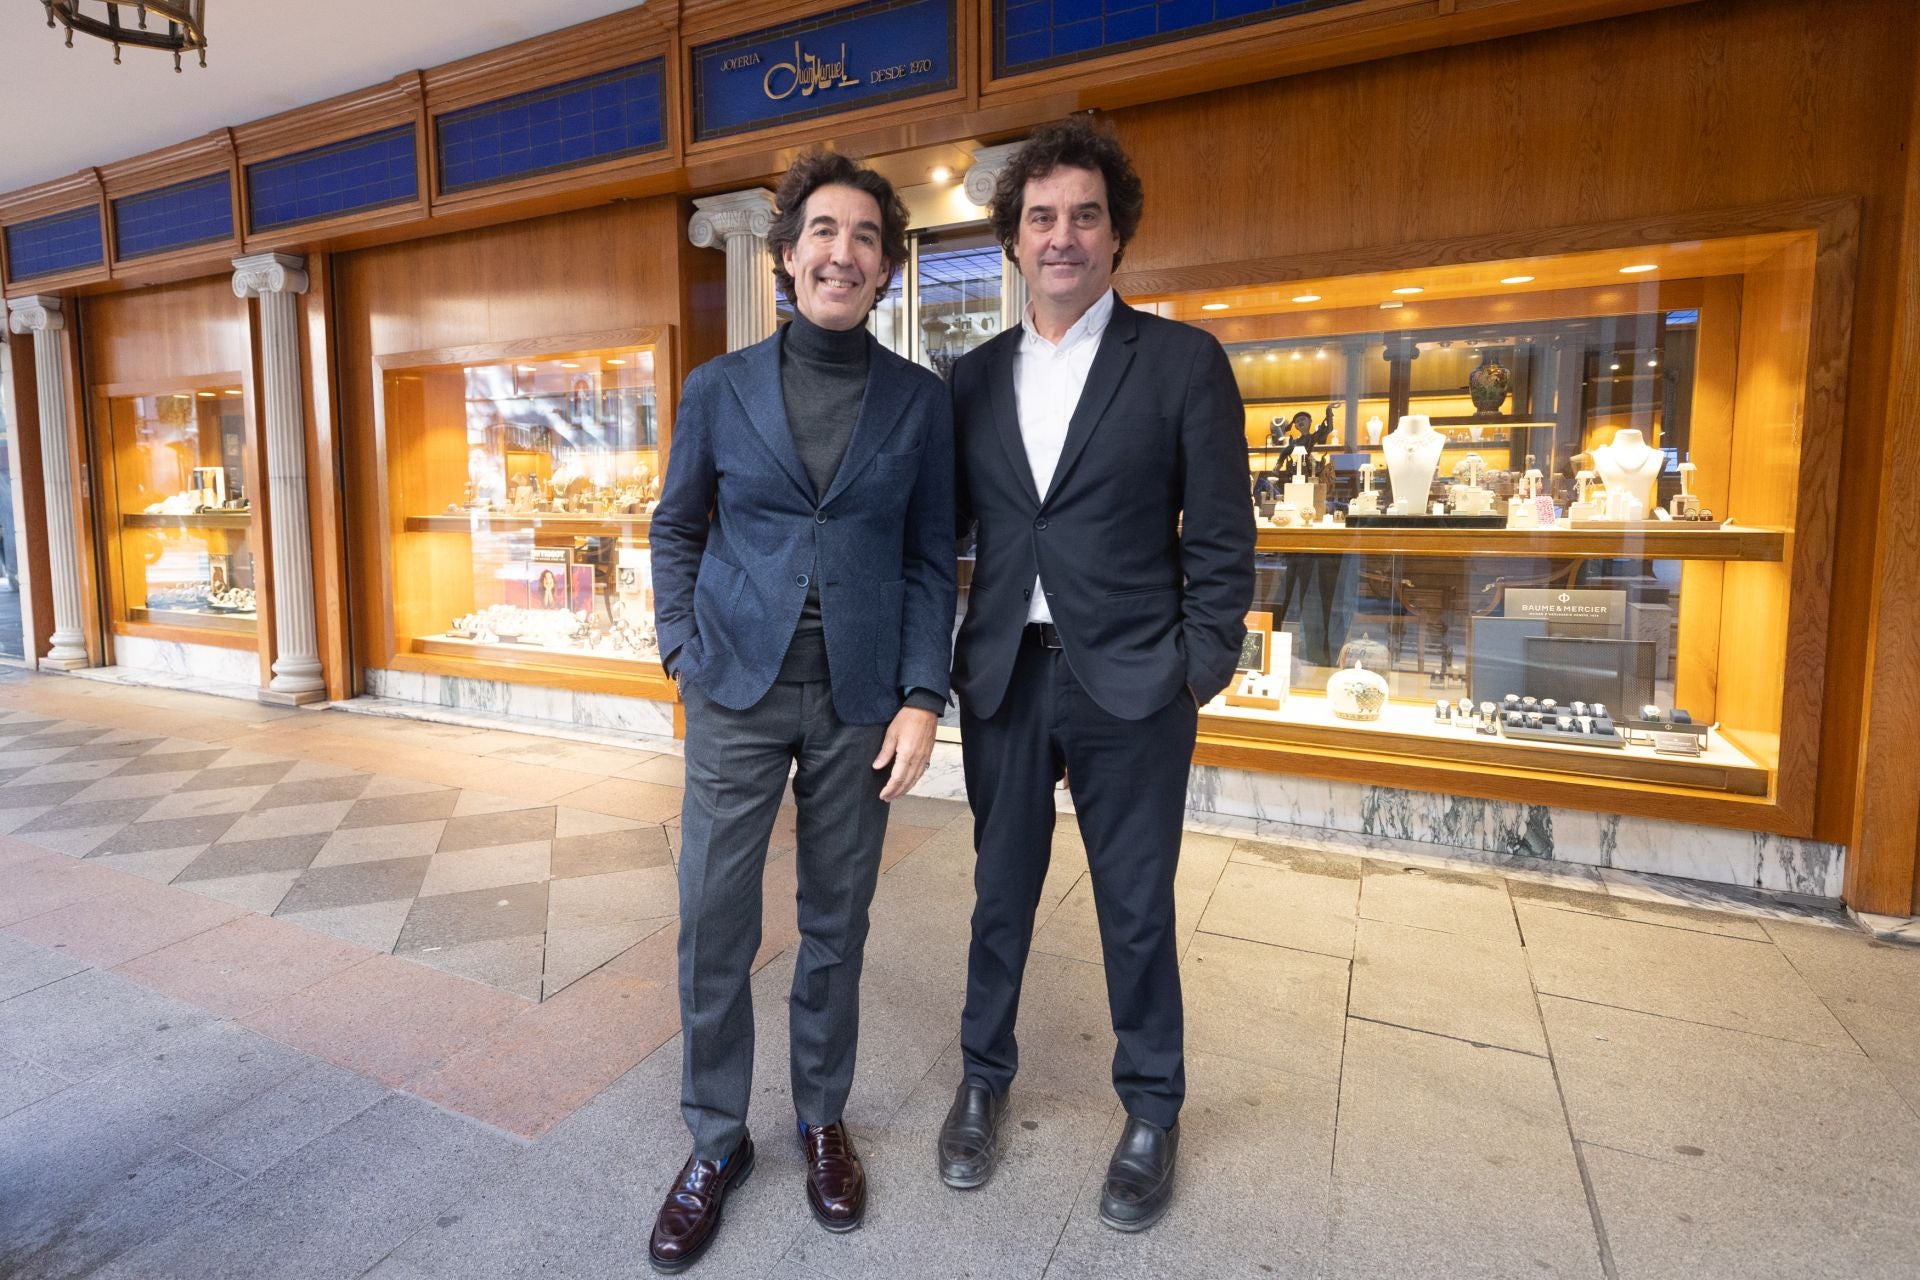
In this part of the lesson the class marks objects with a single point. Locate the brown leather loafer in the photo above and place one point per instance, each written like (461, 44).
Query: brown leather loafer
(836, 1184)
(690, 1217)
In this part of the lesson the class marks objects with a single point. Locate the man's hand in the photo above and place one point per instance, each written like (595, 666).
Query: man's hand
(908, 746)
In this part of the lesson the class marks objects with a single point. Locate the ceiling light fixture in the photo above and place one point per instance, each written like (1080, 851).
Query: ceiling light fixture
(1638, 267)
(1307, 297)
(1517, 280)
(616, 362)
(940, 173)
(186, 24)
(1213, 306)
(1392, 306)
(1408, 290)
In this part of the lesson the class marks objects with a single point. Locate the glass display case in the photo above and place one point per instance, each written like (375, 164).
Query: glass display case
(1532, 517)
(180, 479)
(518, 490)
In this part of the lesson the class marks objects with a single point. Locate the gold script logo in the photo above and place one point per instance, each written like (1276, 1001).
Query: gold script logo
(806, 73)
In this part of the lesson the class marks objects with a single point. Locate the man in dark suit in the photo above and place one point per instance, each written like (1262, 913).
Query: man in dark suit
(1102, 457)
(804, 581)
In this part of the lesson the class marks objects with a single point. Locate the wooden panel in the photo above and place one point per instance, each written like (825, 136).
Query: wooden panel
(598, 270)
(326, 496)
(1883, 869)
(157, 337)
(1710, 440)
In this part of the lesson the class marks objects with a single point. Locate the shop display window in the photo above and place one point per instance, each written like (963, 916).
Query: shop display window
(180, 528)
(1532, 516)
(518, 489)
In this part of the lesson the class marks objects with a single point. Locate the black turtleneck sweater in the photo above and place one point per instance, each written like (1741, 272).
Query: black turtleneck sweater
(823, 380)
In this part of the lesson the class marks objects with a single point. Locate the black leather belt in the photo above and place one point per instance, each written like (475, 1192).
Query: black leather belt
(1043, 635)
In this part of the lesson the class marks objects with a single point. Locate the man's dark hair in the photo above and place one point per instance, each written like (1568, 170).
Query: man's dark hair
(1075, 143)
(807, 175)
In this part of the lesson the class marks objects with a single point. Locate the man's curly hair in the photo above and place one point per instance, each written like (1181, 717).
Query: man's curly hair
(1076, 143)
(807, 175)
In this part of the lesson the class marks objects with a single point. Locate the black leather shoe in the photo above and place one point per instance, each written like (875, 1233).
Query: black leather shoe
(690, 1217)
(1140, 1176)
(969, 1137)
(836, 1183)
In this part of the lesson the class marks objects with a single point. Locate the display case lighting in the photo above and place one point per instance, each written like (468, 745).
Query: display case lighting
(1392, 306)
(1639, 267)
(1296, 355)
(1273, 355)
(616, 360)
(206, 395)
(1516, 280)
(1306, 297)
(568, 364)
(1408, 290)
(1213, 306)
(940, 173)
(1653, 364)
(1320, 353)
(1614, 367)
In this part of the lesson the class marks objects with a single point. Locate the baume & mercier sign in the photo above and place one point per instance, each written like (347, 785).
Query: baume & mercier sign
(859, 56)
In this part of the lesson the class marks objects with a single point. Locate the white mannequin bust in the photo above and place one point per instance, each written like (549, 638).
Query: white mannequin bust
(1629, 465)
(1413, 457)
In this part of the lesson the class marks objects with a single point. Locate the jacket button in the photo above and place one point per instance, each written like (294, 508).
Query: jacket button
(1027, 594)
(819, 517)
(1040, 523)
(801, 580)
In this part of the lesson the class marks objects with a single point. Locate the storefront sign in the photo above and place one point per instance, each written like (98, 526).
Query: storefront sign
(854, 57)
(1589, 608)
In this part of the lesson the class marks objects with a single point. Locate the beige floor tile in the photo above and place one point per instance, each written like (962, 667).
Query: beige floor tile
(1301, 903)
(1452, 985)
(1274, 1006)
(1432, 898)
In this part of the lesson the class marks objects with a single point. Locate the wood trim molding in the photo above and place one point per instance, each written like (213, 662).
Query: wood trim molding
(376, 107)
(1883, 869)
(601, 44)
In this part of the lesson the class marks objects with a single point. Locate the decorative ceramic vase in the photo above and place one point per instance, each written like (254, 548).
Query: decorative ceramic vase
(1489, 384)
(1356, 693)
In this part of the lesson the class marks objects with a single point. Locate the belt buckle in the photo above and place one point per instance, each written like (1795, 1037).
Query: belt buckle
(1048, 635)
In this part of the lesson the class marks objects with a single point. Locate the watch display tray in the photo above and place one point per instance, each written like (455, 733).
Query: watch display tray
(1572, 737)
(1426, 522)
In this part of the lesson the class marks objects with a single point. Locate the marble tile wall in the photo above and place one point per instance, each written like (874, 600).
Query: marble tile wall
(176, 658)
(524, 701)
(1506, 832)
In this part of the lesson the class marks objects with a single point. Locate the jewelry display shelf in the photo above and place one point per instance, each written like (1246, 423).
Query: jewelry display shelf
(1408, 730)
(585, 525)
(1729, 542)
(208, 620)
(198, 520)
(537, 655)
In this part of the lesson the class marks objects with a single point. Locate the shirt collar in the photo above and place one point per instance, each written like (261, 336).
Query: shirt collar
(1087, 328)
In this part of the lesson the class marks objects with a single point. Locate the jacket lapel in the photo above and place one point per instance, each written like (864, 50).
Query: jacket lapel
(1103, 379)
(1006, 410)
(881, 409)
(756, 380)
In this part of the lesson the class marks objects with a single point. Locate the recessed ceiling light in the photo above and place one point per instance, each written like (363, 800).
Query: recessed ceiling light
(1653, 364)
(1392, 306)
(1213, 306)
(1614, 367)
(233, 391)
(1273, 355)
(1408, 290)
(1306, 297)
(206, 395)
(1637, 268)
(1517, 280)
(1246, 357)
(568, 365)
(616, 362)
(940, 173)
(527, 368)
(1296, 355)
(1320, 354)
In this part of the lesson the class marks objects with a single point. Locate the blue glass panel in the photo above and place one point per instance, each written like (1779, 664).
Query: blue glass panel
(56, 243)
(1030, 35)
(198, 211)
(860, 56)
(599, 117)
(361, 173)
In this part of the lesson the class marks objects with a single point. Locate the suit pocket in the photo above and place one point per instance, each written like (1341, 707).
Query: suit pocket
(1138, 592)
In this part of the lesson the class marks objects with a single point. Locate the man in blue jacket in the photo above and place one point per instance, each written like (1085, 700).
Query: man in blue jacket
(803, 574)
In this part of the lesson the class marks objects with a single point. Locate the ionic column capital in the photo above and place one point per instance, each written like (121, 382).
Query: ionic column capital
(36, 313)
(737, 213)
(259, 274)
(984, 172)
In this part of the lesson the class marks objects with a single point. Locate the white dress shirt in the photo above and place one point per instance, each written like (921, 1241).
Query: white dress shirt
(1047, 381)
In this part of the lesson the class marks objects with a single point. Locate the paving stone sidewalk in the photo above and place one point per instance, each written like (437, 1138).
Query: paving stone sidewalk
(313, 994)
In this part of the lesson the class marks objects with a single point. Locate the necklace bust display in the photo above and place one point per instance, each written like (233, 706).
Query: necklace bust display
(1629, 466)
(1413, 457)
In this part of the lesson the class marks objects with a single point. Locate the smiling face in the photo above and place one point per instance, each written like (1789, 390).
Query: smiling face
(836, 263)
(1067, 242)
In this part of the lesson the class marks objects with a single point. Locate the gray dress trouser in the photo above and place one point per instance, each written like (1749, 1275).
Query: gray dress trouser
(737, 764)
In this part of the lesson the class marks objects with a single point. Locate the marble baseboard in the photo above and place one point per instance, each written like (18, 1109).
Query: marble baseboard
(167, 680)
(583, 717)
(178, 658)
(1508, 833)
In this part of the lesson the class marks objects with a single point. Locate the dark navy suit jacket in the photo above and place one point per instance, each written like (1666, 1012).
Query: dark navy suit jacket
(1144, 539)
(738, 535)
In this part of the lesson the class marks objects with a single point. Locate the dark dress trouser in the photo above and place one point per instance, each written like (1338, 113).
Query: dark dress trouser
(1128, 779)
(737, 763)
